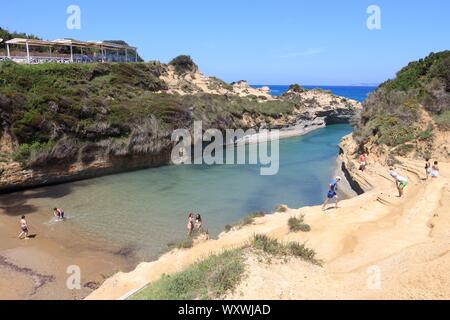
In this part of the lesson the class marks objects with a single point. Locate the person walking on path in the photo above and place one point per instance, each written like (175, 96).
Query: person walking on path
(332, 193)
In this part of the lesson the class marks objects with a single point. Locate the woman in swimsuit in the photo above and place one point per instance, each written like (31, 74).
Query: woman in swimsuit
(198, 223)
(190, 225)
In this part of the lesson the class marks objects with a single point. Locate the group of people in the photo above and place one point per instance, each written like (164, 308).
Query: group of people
(401, 182)
(24, 234)
(194, 224)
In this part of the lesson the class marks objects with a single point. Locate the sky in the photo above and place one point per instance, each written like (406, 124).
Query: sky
(324, 42)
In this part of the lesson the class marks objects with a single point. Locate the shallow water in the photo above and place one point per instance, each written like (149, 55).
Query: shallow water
(147, 209)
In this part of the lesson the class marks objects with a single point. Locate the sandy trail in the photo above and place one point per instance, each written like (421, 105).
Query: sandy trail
(376, 246)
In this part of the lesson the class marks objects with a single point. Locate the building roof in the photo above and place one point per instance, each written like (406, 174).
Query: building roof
(69, 42)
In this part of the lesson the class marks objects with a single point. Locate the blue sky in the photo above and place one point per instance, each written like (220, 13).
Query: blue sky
(265, 42)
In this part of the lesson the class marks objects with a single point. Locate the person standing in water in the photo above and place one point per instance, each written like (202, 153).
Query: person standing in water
(59, 213)
(190, 225)
(198, 223)
(24, 228)
(332, 193)
(400, 181)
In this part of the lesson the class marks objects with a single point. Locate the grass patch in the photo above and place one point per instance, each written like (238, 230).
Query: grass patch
(281, 208)
(183, 244)
(403, 150)
(211, 278)
(297, 224)
(275, 248)
(442, 120)
(247, 220)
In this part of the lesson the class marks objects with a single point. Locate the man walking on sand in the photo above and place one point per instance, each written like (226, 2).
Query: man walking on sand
(24, 228)
(332, 193)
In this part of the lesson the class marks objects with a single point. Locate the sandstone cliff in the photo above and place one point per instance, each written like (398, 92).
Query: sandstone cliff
(66, 122)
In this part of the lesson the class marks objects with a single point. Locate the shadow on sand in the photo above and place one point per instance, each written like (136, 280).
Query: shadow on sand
(16, 204)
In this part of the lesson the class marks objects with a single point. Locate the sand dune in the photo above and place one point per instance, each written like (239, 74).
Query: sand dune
(376, 246)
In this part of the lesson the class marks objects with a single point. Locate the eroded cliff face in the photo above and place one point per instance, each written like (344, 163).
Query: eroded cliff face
(130, 130)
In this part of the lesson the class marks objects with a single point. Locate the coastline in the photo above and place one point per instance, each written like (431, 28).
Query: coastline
(29, 259)
(406, 238)
(39, 265)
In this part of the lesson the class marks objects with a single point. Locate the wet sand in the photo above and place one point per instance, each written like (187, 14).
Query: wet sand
(37, 268)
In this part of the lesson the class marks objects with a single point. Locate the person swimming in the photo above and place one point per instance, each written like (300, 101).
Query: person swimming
(332, 193)
(400, 181)
(59, 213)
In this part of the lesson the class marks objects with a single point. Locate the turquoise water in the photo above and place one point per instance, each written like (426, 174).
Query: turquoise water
(147, 209)
(358, 93)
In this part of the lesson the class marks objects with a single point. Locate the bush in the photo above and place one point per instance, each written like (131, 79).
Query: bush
(26, 151)
(247, 220)
(296, 88)
(211, 278)
(391, 114)
(275, 248)
(183, 64)
(281, 208)
(443, 120)
(403, 150)
(426, 134)
(296, 224)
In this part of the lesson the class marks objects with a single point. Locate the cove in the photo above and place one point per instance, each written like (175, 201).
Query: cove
(146, 210)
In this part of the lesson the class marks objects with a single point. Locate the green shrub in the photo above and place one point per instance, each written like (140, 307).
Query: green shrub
(183, 64)
(443, 120)
(296, 88)
(403, 150)
(392, 112)
(25, 151)
(211, 278)
(426, 134)
(247, 220)
(273, 247)
(297, 224)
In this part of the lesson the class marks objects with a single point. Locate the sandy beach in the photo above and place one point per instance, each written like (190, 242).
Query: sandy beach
(39, 265)
(406, 240)
(402, 243)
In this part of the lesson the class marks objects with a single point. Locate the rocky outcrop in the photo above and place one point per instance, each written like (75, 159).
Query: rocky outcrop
(131, 129)
(322, 105)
